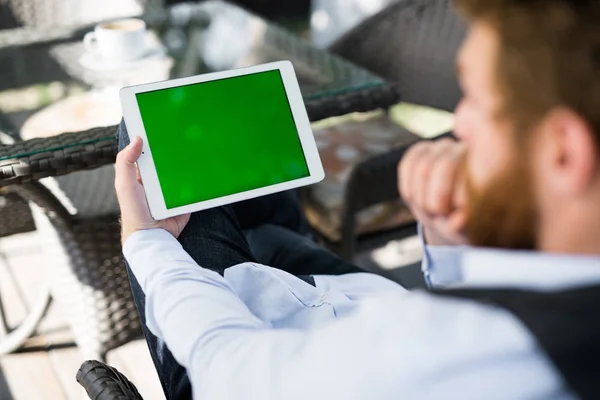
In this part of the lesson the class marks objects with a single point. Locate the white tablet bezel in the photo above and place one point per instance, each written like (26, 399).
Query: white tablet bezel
(135, 127)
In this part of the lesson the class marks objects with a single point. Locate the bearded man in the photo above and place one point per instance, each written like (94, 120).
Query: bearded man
(510, 216)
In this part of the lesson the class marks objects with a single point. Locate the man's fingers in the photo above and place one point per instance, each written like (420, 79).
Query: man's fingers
(126, 172)
(443, 180)
(133, 151)
(407, 169)
(460, 193)
(457, 221)
(424, 172)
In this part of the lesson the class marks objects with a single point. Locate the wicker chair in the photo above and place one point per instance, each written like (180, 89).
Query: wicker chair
(16, 217)
(412, 43)
(87, 277)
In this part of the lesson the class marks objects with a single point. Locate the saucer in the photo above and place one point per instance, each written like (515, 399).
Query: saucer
(95, 62)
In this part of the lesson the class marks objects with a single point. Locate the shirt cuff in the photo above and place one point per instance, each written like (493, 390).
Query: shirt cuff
(149, 250)
(441, 265)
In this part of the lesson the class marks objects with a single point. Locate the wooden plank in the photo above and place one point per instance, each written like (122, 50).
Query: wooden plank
(139, 368)
(115, 360)
(24, 256)
(54, 327)
(30, 376)
(66, 363)
(12, 301)
(23, 260)
(21, 280)
(15, 310)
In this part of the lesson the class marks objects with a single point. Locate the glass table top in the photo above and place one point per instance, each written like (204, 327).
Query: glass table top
(47, 67)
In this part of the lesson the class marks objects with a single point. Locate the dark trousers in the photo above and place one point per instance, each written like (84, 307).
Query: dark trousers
(270, 230)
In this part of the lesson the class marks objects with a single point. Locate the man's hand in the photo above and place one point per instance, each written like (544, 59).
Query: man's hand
(431, 183)
(135, 214)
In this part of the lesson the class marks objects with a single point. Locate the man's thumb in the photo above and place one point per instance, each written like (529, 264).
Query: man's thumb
(125, 168)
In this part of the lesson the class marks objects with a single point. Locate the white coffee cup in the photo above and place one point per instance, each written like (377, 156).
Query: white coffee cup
(119, 40)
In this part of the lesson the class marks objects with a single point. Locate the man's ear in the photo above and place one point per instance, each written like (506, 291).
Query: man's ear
(567, 151)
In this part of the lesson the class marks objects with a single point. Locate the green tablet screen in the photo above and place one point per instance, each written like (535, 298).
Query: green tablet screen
(217, 138)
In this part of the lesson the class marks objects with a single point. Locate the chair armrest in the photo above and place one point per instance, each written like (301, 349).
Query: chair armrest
(103, 382)
(366, 99)
(414, 43)
(33, 159)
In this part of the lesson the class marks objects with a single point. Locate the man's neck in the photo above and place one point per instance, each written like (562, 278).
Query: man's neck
(574, 230)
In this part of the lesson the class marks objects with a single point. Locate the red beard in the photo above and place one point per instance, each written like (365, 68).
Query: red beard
(502, 214)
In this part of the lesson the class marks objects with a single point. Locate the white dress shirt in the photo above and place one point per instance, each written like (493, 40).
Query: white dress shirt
(260, 333)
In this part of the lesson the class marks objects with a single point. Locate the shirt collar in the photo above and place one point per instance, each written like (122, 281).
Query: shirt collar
(527, 270)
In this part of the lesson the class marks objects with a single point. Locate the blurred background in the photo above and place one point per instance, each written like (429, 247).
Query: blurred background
(377, 76)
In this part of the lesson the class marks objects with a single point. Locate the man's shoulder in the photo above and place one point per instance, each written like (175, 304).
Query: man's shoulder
(448, 343)
(564, 324)
(444, 321)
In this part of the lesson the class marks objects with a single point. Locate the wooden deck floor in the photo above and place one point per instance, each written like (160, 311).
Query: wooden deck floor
(46, 368)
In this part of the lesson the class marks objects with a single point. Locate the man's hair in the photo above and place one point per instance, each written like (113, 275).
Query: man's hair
(549, 56)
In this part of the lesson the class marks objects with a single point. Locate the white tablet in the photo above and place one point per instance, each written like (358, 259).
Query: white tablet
(220, 138)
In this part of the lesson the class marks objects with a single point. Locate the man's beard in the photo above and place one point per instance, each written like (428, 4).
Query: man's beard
(502, 214)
